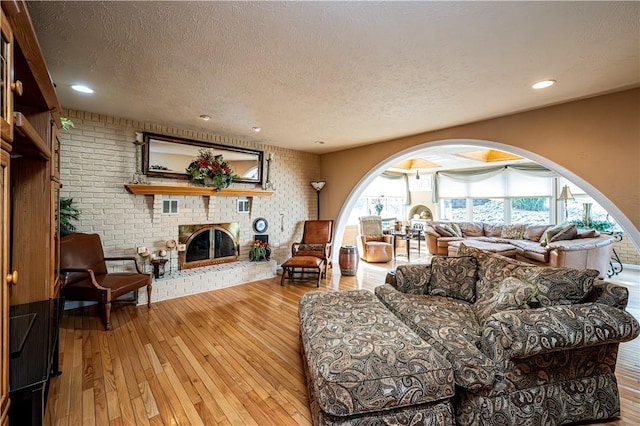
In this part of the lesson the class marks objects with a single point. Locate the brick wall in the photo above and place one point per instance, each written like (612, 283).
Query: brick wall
(98, 158)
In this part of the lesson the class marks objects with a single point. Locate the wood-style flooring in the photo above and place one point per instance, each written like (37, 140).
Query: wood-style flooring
(227, 356)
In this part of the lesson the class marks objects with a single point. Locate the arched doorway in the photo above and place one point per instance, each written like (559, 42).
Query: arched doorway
(414, 151)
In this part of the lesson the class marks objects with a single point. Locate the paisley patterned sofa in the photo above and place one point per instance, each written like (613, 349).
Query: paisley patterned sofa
(523, 345)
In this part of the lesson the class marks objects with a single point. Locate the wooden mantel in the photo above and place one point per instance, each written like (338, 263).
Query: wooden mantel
(144, 189)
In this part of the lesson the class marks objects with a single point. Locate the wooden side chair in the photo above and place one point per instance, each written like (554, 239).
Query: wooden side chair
(85, 277)
(317, 237)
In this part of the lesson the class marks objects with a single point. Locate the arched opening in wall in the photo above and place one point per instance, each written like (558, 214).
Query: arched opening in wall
(477, 180)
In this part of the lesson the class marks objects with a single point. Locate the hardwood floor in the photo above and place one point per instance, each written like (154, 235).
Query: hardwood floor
(228, 356)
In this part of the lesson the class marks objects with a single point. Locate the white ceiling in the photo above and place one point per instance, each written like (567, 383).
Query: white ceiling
(347, 73)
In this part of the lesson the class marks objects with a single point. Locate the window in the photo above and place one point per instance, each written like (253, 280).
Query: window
(454, 209)
(489, 210)
(535, 210)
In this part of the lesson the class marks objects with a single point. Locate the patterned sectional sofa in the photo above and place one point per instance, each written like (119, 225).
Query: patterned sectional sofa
(562, 245)
(472, 340)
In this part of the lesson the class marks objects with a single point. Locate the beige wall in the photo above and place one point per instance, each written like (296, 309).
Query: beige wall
(595, 142)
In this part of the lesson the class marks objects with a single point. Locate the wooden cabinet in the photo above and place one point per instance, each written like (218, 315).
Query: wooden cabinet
(6, 98)
(29, 193)
(6, 134)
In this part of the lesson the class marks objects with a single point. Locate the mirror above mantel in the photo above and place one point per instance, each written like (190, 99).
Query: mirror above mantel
(169, 157)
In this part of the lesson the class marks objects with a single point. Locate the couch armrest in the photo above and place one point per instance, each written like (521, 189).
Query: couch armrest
(608, 293)
(413, 279)
(528, 332)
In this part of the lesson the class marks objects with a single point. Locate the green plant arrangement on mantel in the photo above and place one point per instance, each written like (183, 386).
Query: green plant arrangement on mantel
(209, 169)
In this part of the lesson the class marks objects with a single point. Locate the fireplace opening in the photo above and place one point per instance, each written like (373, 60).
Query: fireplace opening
(208, 244)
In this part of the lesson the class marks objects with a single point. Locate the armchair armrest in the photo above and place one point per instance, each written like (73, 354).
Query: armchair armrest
(89, 272)
(413, 279)
(135, 262)
(528, 332)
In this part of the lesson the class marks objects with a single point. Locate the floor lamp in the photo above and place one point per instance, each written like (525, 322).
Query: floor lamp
(565, 196)
(318, 185)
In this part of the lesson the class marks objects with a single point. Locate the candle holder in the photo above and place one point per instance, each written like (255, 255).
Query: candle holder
(144, 253)
(171, 245)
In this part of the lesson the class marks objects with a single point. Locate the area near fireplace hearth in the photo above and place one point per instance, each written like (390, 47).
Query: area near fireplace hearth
(98, 158)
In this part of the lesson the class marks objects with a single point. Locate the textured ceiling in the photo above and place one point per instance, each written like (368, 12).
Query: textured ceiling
(347, 73)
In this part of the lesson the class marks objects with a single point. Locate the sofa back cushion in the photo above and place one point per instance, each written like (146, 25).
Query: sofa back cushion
(559, 232)
(492, 229)
(471, 229)
(512, 293)
(443, 230)
(535, 232)
(454, 277)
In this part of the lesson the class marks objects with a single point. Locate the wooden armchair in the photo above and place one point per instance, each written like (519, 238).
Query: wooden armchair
(316, 241)
(85, 276)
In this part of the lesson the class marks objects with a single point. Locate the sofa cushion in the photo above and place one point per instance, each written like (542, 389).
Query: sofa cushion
(362, 358)
(512, 293)
(535, 232)
(472, 229)
(513, 232)
(560, 286)
(450, 326)
(454, 277)
(492, 229)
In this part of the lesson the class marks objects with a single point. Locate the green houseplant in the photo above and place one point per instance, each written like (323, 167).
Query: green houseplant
(260, 250)
(68, 214)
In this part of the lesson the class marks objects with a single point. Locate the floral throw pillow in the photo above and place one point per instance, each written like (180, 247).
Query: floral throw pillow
(513, 293)
(454, 277)
(513, 232)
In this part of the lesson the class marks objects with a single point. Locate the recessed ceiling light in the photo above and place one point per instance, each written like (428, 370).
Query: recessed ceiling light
(81, 88)
(543, 84)
(205, 117)
(319, 142)
(256, 129)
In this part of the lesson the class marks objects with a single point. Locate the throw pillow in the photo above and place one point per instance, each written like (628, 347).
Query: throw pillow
(493, 269)
(513, 293)
(535, 232)
(443, 231)
(513, 232)
(567, 233)
(454, 277)
(457, 232)
(311, 247)
(559, 286)
(551, 232)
